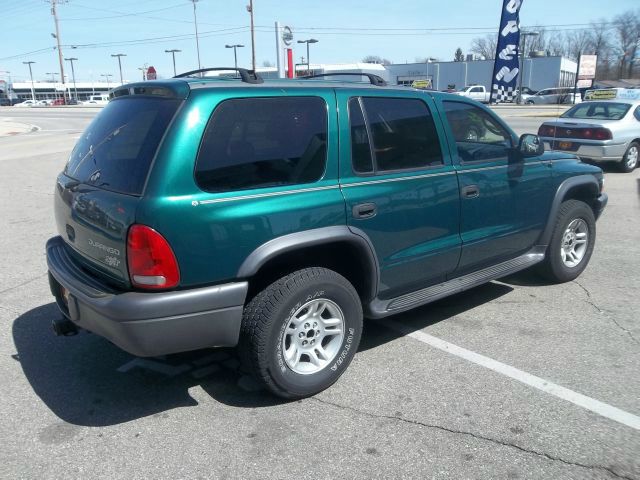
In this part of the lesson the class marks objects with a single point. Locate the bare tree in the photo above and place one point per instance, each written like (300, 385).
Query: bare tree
(577, 42)
(601, 45)
(626, 27)
(268, 63)
(376, 59)
(485, 46)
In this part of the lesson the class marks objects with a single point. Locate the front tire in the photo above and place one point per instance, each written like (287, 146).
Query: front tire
(572, 242)
(630, 160)
(299, 335)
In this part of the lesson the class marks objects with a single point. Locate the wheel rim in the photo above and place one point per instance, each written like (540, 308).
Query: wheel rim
(632, 157)
(574, 242)
(313, 336)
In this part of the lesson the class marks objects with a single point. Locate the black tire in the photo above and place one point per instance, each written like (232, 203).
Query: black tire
(270, 312)
(554, 268)
(626, 165)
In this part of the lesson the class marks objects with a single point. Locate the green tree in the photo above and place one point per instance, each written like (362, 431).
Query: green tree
(458, 56)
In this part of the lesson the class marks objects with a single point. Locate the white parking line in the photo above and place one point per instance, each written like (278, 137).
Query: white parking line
(591, 404)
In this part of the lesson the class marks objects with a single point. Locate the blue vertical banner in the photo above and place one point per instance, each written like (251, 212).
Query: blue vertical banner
(506, 66)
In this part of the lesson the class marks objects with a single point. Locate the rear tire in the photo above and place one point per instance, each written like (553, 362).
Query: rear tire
(572, 242)
(630, 160)
(299, 334)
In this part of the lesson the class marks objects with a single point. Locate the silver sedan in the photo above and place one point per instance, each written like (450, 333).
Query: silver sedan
(597, 131)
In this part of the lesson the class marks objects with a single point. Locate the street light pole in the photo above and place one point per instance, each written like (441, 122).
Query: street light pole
(195, 22)
(107, 75)
(173, 54)
(235, 55)
(73, 75)
(524, 36)
(311, 40)
(33, 89)
(119, 55)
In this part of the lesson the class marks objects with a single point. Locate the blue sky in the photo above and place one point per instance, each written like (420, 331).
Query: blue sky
(347, 30)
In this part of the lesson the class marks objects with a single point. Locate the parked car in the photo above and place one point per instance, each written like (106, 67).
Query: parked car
(28, 103)
(553, 96)
(98, 100)
(598, 130)
(476, 92)
(199, 212)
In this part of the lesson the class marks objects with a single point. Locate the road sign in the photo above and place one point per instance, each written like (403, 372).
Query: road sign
(587, 67)
(151, 73)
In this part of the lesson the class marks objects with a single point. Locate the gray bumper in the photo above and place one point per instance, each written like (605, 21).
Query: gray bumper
(594, 151)
(146, 324)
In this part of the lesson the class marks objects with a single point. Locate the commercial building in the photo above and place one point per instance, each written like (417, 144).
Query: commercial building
(53, 90)
(539, 73)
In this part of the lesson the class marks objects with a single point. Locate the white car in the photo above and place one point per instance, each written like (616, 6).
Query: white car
(599, 130)
(551, 96)
(28, 103)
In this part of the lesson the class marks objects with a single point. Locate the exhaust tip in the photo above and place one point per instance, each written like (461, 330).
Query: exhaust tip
(64, 327)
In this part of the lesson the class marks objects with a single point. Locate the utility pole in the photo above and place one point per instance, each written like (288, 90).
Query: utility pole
(523, 36)
(144, 71)
(33, 89)
(57, 35)
(173, 54)
(73, 75)
(119, 55)
(195, 22)
(253, 37)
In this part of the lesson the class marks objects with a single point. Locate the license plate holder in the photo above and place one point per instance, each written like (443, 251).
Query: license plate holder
(565, 145)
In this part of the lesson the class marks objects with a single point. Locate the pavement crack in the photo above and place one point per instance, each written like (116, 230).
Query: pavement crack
(593, 304)
(474, 435)
(26, 282)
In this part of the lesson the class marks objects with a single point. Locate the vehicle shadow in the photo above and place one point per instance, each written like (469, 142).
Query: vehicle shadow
(85, 380)
(376, 334)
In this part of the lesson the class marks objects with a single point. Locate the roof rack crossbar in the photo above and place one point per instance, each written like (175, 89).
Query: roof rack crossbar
(373, 79)
(247, 76)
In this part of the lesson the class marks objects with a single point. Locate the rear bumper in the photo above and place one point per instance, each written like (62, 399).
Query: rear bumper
(590, 151)
(146, 324)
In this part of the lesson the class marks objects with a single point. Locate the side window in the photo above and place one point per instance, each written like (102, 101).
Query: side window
(476, 90)
(478, 136)
(263, 142)
(636, 113)
(404, 134)
(360, 146)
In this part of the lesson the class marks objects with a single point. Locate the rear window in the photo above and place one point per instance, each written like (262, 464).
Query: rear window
(115, 151)
(263, 142)
(598, 110)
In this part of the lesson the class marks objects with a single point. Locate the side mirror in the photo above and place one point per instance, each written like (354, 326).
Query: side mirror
(530, 145)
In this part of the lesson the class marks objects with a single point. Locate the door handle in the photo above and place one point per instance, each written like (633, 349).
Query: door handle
(364, 210)
(470, 191)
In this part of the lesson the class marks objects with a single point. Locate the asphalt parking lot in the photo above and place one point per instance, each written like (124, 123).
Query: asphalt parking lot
(516, 379)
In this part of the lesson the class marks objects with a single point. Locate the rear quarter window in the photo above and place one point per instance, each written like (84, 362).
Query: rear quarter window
(115, 151)
(263, 142)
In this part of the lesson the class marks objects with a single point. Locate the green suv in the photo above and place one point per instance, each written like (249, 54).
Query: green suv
(204, 212)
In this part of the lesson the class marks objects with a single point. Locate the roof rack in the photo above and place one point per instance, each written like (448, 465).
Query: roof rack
(247, 76)
(373, 79)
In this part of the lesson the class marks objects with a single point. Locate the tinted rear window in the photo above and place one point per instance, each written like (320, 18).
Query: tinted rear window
(263, 142)
(115, 151)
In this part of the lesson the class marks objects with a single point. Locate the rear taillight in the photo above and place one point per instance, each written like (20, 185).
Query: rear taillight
(602, 134)
(546, 131)
(152, 264)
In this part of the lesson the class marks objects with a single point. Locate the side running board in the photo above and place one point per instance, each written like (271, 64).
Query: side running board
(382, 308)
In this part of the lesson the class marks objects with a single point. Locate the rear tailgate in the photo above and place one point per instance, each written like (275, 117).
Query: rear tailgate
(98, 192)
